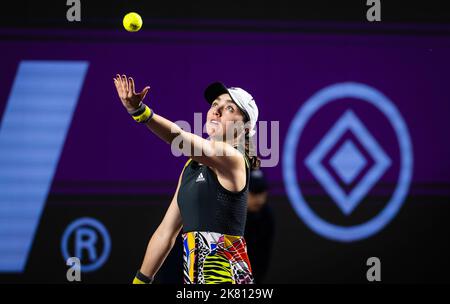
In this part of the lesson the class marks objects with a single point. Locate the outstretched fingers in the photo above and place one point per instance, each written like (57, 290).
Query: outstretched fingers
(126, 88)
(116, 83)
(144, 92)
(119, 85)
(125, 82)
(122, 87)
(131, 91)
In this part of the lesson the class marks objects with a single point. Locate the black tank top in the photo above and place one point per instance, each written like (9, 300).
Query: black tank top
(205, 205)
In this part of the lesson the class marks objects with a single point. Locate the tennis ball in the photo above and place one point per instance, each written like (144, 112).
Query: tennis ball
(132, 22)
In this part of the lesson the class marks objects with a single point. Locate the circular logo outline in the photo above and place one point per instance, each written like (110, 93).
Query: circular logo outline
(324, 96)
(104, 233)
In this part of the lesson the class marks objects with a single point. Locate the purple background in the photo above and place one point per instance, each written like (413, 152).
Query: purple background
(281, 70)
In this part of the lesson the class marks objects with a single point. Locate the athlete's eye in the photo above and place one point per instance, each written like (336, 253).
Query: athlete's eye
(230, 108)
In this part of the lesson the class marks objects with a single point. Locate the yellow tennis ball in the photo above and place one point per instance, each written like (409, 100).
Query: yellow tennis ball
(132, 22)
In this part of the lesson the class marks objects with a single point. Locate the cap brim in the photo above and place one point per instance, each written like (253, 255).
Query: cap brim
(214, 90)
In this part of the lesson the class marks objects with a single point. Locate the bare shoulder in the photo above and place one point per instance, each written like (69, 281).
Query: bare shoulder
(233, 177)
(232, 158)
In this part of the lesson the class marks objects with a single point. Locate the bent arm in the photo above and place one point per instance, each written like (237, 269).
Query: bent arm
(218, 155)
(215, 154)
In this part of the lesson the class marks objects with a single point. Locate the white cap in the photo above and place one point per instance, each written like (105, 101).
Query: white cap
(242, 98)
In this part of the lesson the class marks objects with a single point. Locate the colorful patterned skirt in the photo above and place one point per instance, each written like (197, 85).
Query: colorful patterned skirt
(215, 258)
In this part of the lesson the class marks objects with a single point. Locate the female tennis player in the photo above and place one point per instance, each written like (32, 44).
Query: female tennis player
(210, 202)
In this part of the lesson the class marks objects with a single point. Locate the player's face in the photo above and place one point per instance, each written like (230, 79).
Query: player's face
(224, 117)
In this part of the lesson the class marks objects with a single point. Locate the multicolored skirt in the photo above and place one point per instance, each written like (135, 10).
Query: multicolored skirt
(215, 258)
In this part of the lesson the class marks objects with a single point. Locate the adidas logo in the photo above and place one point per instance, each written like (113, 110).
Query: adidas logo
(200, 178)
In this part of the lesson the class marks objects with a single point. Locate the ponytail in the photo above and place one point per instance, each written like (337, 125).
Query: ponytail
(250, 153)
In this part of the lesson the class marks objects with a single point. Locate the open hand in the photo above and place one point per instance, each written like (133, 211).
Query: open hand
(125, 88)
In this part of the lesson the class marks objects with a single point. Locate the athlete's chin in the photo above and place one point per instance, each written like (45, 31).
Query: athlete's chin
(213, 132)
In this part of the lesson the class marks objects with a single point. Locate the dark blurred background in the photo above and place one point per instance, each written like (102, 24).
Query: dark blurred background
(62, 163)
(108, 14)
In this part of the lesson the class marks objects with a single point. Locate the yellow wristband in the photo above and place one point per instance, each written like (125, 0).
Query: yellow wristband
(145, 116)
(137, 281)
(140, 278)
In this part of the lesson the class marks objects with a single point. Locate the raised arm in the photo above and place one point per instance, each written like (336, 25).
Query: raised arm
(219, 155)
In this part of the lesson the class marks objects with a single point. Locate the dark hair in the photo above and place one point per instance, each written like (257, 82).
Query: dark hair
(254, 161)
(250, 152)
